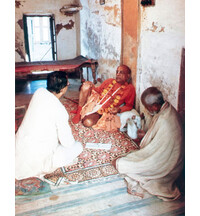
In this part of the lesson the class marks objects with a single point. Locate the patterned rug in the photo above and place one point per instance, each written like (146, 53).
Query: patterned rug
(90, 160)
(60, 176)
(121, 143)
(31, 186)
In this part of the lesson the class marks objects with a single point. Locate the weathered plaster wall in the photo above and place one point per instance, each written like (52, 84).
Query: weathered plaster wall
(101, 34)
(161, 43)
(67, 27)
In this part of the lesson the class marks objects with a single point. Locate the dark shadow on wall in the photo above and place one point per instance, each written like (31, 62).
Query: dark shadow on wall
(181, 111)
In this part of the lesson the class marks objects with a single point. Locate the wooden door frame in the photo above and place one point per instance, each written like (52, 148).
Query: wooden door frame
(52, 33)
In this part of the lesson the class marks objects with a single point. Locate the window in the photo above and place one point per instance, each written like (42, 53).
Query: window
(40, 40)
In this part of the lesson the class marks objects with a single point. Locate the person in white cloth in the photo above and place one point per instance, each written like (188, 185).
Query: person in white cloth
(44, 141)
(159, 161)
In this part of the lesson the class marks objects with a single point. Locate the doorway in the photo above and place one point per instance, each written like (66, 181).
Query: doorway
(40, 39)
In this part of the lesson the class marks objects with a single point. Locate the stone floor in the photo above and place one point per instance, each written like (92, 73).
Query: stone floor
(24, 89)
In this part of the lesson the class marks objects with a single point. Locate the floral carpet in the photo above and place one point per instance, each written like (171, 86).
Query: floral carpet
(60, 176)
(31, 186)
(91, 161)
(121, 143)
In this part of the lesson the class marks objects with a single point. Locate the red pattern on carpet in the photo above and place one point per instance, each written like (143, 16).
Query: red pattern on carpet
(121, 143)
(86, 174)
(89, 158)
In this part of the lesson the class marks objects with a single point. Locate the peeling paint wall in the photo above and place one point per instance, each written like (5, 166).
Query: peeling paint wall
(67, 27)
(101, 34)
(161, 43)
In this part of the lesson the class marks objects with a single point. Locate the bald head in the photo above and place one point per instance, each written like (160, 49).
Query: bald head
(125, 68)
(152, 99)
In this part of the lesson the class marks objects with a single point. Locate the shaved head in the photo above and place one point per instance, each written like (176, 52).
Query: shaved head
(125, 69)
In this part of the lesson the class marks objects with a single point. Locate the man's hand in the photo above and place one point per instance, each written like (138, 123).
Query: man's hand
(115, 110)
(89, 83)
(140, 133)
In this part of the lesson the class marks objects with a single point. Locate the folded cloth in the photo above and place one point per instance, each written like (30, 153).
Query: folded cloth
(91, 103)
(108, 122)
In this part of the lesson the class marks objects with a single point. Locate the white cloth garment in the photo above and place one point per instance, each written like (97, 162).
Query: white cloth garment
(159, 162)
(133, 125)
(44, 140)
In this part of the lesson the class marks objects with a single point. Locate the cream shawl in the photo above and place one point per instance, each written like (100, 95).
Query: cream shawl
(159, 161)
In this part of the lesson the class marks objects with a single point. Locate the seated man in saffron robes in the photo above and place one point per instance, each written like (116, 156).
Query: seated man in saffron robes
(98, 106)
(159, 162)
(44, 140)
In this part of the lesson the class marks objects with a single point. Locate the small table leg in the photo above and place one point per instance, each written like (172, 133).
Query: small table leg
(87, 74)
(81, 74)
(93, 67)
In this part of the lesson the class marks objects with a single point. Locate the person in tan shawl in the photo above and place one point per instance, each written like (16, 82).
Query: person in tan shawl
(159, 161)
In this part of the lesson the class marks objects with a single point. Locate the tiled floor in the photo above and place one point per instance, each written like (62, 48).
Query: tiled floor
(25, 89)
(28, 87)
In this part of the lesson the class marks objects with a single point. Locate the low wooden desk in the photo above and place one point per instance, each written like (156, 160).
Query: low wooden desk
(70, 66)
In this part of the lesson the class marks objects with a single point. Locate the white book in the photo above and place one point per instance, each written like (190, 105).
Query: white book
(105, 146)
